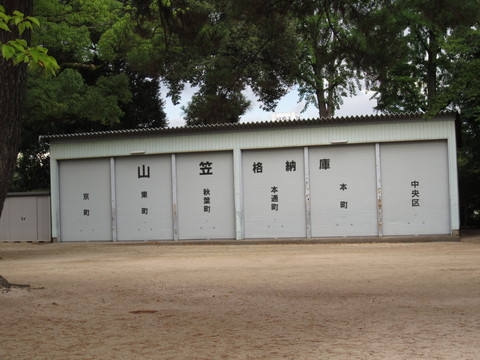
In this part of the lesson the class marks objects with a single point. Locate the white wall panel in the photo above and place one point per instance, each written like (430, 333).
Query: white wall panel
(144, 198)
(415, 188)
(85, 210)
(274, 193)
(343, 190)
(205, 195)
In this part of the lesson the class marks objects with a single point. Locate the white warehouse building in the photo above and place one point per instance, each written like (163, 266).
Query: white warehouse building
(370, 176)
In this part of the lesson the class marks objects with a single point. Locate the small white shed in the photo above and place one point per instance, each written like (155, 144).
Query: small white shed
(372, 176)
(26, 217)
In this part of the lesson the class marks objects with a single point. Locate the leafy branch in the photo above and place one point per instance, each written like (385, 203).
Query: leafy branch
(17, 50)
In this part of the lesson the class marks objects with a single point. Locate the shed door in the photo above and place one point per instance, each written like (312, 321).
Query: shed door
(144, 198)
(274, 193)
(205, 196)
(415, 188)
(85, 208)
(23, 218)
(343, 191)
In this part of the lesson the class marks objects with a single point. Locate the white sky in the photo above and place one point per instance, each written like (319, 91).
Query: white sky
(352, 106)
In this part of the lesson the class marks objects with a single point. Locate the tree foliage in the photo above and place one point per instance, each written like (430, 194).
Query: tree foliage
(419, 74)
(326, 74)
(463, 93)
(92, 41)
(221, 47)
(215, 107)
(17, 50)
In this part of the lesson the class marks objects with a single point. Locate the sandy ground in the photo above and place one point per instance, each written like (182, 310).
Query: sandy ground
(343, 301)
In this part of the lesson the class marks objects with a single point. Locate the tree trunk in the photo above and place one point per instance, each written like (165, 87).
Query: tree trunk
(12, 94)
(432, 53)
(317, 68)
(322, 103)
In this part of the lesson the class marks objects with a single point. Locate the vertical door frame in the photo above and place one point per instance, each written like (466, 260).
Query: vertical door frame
(238, 194)
(174, 197)
(378, 167)
(308, 207)
(113, 199)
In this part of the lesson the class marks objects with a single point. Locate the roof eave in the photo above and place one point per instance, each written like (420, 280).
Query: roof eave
(245, 126)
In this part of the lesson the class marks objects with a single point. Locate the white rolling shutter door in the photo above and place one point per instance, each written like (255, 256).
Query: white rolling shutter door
(343, 191)
(85, 208)
(274, 193)
(144, 198)
(205, 195)
(415, 188)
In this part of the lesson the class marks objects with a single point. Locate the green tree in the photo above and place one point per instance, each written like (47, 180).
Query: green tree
(16, 56)
(96, 39)
(215, 107)
(343, 43)
(145, 110)
(88, 92)
(417, 77)
(326, 73)
(221, 47)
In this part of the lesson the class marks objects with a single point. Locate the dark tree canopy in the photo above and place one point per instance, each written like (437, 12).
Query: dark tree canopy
(215, 107)
(417, 76)
(221, 47)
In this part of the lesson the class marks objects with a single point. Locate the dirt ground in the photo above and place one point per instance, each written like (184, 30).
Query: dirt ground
(342, 301)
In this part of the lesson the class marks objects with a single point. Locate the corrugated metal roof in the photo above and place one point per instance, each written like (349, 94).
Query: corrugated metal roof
(242, 126)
